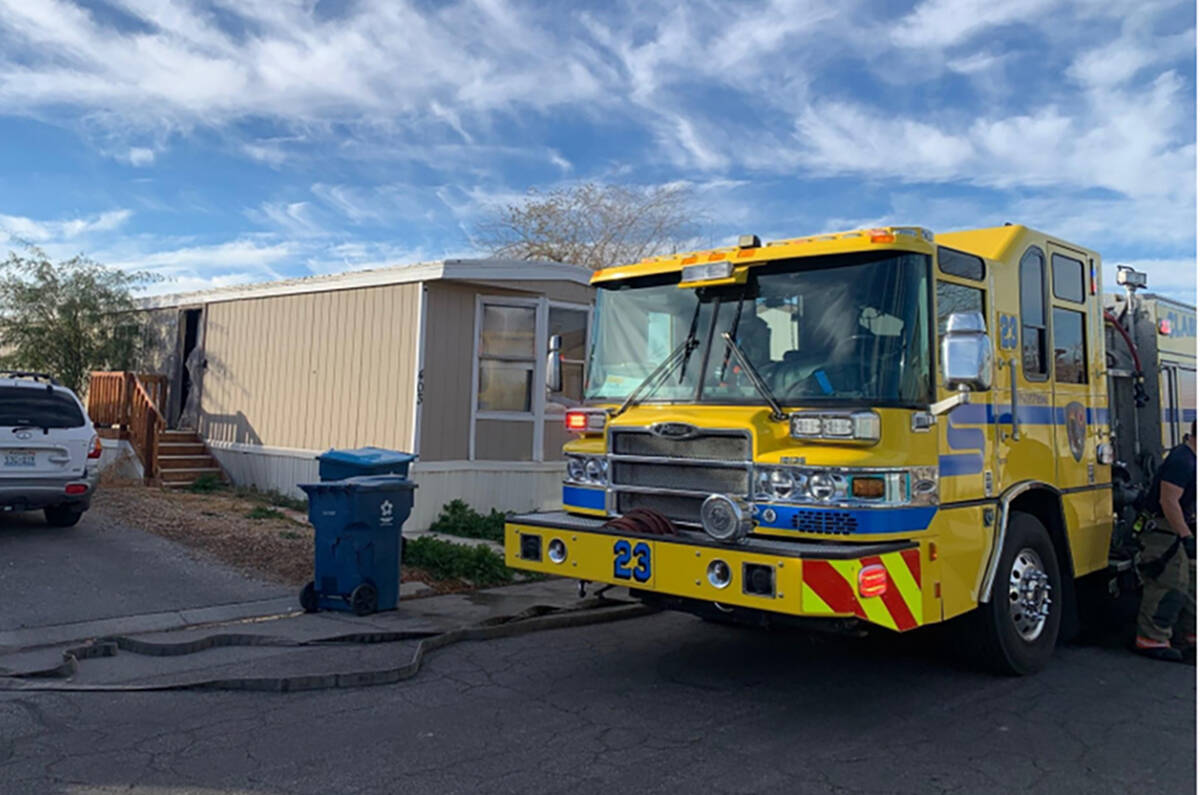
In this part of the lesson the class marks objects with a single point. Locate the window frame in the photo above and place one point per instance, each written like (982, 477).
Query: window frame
(530, 364)
(1083, 290)
(557, 409)
(537, 414)
(1044, 375)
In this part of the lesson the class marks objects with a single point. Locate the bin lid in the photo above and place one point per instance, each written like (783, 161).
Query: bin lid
(361, 483)
(367, 456)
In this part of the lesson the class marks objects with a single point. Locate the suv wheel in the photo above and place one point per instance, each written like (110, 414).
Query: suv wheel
(62, 516)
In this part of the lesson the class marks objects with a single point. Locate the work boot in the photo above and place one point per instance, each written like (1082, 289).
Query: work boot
(1157, 650)
(1187, 647)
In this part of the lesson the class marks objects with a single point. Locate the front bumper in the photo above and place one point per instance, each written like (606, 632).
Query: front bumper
(31, 494)
(818, 579)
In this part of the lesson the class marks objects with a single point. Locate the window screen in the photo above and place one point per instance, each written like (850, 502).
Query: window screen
(958, 263)
(1070, 347)
(1033, 314)
(506, 358)
(37, 408)
(1068, 278)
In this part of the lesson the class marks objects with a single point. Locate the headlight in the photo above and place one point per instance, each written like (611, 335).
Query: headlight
(575, 469)
(799, 485)
(596, 469)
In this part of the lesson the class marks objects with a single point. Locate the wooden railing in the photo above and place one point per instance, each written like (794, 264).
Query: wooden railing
(145, 424)
(133, 402)
(108, 400)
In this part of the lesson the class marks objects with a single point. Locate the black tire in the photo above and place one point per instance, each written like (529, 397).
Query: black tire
(364, 599)
(308, 598)
(996, 640)
(62, 516)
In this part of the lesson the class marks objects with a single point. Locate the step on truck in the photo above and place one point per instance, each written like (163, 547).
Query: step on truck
(880, 428)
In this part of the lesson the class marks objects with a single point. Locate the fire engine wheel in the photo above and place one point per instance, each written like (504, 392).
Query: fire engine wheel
(1018, 628)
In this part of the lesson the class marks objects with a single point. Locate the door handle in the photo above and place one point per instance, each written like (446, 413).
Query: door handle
(1012, 403)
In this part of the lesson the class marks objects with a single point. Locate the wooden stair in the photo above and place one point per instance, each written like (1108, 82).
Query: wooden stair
(183, 458)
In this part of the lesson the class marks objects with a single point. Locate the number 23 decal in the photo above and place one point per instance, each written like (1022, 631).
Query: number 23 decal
(623, 553)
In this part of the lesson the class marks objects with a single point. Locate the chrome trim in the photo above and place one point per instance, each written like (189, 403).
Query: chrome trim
(653, 490)
(984, 593)
(701, 462)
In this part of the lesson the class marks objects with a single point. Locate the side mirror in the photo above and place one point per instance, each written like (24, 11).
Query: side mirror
(554, 376)
(966, 353)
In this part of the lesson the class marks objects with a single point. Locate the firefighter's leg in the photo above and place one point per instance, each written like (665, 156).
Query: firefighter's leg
(1163, 596)
(1185, 628)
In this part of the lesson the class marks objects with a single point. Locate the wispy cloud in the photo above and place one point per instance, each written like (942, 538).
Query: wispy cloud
(19, 229)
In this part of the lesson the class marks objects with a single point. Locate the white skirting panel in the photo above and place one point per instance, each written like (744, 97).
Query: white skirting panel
(484, 485)
(118, 458)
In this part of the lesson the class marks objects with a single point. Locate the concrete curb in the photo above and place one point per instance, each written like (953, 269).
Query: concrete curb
(44, 636)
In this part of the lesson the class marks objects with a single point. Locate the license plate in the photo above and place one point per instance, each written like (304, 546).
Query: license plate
(631, 560)
(19, 458)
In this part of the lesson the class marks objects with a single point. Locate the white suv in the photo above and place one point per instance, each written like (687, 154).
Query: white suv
(49, 450)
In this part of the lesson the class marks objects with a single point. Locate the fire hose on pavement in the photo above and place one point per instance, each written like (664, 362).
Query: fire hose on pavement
(597, 610)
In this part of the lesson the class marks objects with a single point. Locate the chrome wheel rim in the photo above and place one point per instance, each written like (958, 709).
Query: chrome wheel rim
(1029, 594)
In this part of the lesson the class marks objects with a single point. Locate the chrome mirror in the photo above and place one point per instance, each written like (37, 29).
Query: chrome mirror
(554, 376)
(966, 353)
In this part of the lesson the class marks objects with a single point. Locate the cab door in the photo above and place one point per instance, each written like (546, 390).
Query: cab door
(1072, 314)
(1024, 393)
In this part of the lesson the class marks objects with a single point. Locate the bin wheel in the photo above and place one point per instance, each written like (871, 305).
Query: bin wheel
(364, 599)
(308, 598)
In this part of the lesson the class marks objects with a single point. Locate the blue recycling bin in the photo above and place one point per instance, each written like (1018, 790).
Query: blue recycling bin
(339, 464)
(357, 542)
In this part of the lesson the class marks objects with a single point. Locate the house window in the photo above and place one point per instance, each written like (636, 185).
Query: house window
(1033, 314)
(1070, 349)
(507, 355)
(1068, 278)
(571, 325)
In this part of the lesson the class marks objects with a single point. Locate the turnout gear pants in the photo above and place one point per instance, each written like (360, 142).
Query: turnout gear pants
(1169, 596)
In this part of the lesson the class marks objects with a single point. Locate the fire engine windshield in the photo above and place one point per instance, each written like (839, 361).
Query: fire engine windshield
(831, 330)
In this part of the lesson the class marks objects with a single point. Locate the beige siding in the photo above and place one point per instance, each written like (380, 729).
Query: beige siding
(446, 398)
(556, 436)
(313, 370)
(503, 440)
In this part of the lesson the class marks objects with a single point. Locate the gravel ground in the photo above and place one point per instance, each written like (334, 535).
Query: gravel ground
(216, 525)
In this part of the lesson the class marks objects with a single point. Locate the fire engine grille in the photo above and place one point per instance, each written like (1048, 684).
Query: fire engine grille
(674, 476)
(681, 477)
(724, 447)
(676, 507)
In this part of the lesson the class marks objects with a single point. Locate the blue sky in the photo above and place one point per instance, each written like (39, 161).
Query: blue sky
(223, 142)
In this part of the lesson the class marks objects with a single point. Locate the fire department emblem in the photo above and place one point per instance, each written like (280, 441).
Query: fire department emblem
(1076, 428)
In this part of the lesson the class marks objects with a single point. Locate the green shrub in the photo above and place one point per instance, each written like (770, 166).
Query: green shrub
(206, 484)
(263, 512)
(445, 560)
(459, 519)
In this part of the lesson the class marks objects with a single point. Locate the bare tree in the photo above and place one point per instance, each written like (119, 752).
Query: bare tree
(592, 224)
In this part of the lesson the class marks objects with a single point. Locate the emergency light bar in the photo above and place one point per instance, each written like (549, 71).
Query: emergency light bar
(706, 272)
(585, 421)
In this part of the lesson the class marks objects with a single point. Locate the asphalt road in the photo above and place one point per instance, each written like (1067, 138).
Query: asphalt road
(99, 569)
(658, 704)
(665, 703)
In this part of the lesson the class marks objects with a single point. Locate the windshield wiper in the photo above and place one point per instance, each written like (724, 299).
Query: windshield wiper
(755, 377)
(681, 354)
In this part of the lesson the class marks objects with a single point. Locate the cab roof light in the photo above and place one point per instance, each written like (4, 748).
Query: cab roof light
(749, 241)
(872, 580)
(707, 272)
(881, 236)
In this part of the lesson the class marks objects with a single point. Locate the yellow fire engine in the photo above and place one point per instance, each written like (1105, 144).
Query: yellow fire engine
(880, 426)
